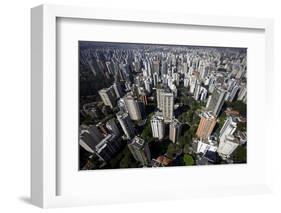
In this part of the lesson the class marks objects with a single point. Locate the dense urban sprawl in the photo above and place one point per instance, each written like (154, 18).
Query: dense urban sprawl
(161, 105)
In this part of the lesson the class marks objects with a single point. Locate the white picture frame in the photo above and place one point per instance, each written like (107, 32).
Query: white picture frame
(44, 92)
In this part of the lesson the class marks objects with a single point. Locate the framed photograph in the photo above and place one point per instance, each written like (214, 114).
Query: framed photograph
(132, 106)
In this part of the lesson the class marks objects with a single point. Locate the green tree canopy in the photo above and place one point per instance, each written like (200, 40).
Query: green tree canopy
(186, 148)
(188, 160)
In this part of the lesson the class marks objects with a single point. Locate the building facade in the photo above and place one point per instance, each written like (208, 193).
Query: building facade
(135, 108)
(108, 96)
(168, 107)
(216, 101)
(206, 125)
(175, 130)
(159, 97)
(228, 146)
(158, 126)
(228, 128)
(112, 126)
(140, 150)
(126, 124)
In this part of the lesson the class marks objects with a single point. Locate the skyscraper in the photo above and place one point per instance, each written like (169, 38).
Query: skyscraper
(95, 133)
(148, 85)
(158, 126)
(175, 130)
(155, 79)
(121, 105)
(112, 126)
(242, 94)
(135, 108)
(227, 146)
(164, 68)
(216, 101)
(140, 150)
(155, 66)
(231, 94)
(197, 92)
(192, 84)
(168, 107)
(108, 96)
(106, 148)
(90, 137)
(126, 124)
(159, 94)
(204, 94)
(186, 82)
(206, 125)
(228, 127)
(118, 90)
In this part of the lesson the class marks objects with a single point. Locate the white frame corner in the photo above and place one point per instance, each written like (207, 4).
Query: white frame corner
(43, 89)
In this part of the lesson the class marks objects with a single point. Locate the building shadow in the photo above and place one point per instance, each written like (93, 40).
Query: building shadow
(26, 200)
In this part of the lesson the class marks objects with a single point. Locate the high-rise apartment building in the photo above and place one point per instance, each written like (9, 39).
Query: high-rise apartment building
(112, 126)
(216, 101)
(175, 130)
(228, 146)
(140, 150)
(228, 128)
(155, 66)
(126, 124)
(242, 94)
(159, 97)
(148, 85)
(206, 125)
(193, 81)
(158, 126)
(108, 96)
(118, 90)
(107, 148)
(155, 77)
(90, 137)
(168, 106)
(135, 108)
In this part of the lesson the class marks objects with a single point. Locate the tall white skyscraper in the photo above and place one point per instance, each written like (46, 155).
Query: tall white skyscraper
(148, 85)
(108, 96)
(159, 94)
(204, 94)
(134, 108)
(155, 79)
(228, 128)
(228, 146)
(192, 84)
(197, 92)
(168, 107)
(186, 82)
(158, 126)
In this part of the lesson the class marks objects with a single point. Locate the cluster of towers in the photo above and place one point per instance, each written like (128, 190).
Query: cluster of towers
(140, 74)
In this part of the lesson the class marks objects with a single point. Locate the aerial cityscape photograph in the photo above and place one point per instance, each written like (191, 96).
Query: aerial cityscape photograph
(161, 105)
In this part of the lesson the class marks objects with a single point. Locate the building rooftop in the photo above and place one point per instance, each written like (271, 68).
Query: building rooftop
(137, 142)
(231, 138)
(207, 115)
